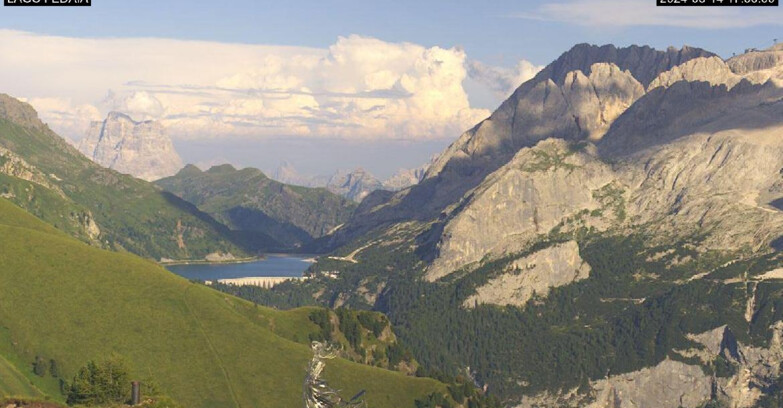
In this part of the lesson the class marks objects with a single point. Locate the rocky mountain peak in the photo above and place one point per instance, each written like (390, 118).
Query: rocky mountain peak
(644, 63)
(19, 112)
(141, 149)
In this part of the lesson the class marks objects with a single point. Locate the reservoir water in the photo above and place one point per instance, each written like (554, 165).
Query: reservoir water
(271, 266)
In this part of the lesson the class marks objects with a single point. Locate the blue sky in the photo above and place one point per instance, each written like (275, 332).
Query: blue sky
(488, 30)
(495, 34)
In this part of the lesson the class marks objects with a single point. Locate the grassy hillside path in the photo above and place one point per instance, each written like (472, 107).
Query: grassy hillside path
(212, 348)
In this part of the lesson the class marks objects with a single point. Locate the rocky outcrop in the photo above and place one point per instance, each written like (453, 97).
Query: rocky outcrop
(675, 384)
(755, 60)
(220, 257)
(141, 149)
(533, 275)
(670, 384)
(713, 70)
(529, 196)
(15, 166)
(20, 113)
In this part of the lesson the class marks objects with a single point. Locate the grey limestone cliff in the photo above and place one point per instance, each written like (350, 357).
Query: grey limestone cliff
(141, 149)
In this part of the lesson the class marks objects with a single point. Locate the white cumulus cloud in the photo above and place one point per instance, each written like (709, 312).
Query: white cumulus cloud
(502, 81)
(359, 87)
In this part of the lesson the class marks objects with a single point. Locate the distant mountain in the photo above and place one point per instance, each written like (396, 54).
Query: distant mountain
(405, 178)
(275, 215)
(42, 173)
(141, 149)
(354, 184)
(288, 174)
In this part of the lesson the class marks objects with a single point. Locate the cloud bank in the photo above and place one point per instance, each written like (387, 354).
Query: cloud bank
(502, 81)
(625, 13)
(358, 88)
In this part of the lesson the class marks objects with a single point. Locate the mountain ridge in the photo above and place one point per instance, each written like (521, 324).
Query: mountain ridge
(282, 217)
(664, 183)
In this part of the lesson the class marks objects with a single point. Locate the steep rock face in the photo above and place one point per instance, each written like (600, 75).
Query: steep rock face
(713, 70)
(529, 196)
(575, 98)
(532, 275)
(682, 158)
(670, 384)
(643, 62)
(505, 128)
(675, 384)
(141, 149)
(713, 164)
(760, 66)
(580, 106)
(666, 114)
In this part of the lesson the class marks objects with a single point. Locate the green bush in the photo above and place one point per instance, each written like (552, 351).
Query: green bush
(40, 366)
(101, 383)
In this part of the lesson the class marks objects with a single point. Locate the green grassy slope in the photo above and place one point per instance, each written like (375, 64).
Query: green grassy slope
(247, 200)
(13, 383)
(67, 301)
(132, 214)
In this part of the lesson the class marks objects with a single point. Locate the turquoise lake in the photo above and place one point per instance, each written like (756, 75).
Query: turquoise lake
(272, 265)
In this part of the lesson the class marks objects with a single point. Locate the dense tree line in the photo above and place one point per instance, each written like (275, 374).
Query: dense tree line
(631, 313)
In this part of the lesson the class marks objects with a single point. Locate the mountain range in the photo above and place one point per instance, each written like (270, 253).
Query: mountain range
(355, 184)
(609, 236)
